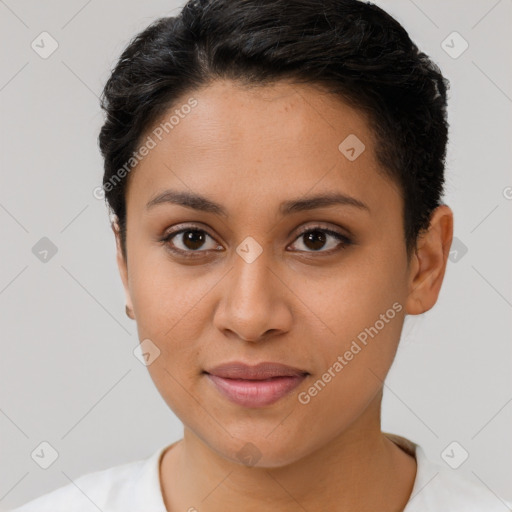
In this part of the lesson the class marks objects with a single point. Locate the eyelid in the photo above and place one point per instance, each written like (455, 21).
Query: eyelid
(185, 226)
(325, 227)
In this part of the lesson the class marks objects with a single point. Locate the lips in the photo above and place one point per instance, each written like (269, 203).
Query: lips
(261, 371)
(255, 386)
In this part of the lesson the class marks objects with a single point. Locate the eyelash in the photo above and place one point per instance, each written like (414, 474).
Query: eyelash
(344, 240)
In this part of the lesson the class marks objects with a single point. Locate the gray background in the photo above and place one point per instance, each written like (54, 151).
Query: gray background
(69, 376)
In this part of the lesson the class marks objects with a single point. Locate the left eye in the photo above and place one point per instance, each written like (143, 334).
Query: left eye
(315, 238)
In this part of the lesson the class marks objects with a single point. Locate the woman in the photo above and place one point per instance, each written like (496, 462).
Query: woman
(275, 170)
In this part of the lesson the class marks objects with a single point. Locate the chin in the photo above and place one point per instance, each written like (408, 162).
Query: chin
(262, 451)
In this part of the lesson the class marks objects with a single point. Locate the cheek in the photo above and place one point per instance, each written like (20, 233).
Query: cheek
(354, 355)
(166, 307)
(353, 295)
(165, 297)
(356, 313)
(169, 313)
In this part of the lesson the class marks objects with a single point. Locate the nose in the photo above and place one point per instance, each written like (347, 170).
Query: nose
(255, 302)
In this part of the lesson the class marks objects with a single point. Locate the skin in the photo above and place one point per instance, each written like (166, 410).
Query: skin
(249, 149)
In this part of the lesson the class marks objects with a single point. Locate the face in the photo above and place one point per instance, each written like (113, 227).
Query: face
(265, 275)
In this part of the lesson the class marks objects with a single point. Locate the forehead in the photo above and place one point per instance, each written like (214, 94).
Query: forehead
(260, 144)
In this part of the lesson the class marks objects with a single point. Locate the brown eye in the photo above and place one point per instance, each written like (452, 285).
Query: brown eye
(193, 239)
(188, 241)
(315, 239)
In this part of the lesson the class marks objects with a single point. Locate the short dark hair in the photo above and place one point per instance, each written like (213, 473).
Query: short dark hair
(353, 48)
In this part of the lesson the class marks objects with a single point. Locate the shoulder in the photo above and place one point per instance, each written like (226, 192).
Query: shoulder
(441, 488)
(113, 489)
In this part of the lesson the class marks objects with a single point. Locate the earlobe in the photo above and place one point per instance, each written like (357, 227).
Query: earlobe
(123, 267)
(429, 262)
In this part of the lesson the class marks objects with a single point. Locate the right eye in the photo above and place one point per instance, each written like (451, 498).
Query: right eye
(191, 239)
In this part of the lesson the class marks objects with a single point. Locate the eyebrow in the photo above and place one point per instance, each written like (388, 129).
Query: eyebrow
(198, 202)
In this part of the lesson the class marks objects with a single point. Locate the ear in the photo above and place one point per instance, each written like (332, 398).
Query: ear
(122, 266)
(428, 263)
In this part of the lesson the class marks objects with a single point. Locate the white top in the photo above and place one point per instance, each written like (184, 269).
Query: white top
(135, 487)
